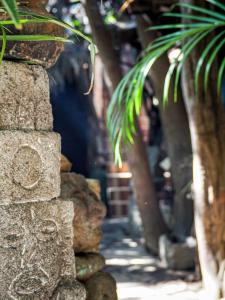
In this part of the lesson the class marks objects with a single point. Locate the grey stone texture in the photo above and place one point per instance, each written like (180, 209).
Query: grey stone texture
(24, 97)
(177, 255)
(35, 249)
(30, 166)
(88, 264)
(89, 212)
(70, 290)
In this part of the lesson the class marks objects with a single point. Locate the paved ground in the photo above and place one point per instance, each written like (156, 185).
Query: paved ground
(140, 276)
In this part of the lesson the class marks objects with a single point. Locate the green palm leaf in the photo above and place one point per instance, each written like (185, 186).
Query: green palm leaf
(199, 23)
(27, 17)
(11, 7)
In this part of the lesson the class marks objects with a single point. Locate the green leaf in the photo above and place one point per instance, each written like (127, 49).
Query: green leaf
(11, 8)
(35, 38)
(127, 97)
(4, 42)
(168, 78)
(204, 11)
(28, 17)
(220, 76)
(186, 51)
(210, 62)
(181, 26)
(217, 3)
(202, 58)
(192, 17)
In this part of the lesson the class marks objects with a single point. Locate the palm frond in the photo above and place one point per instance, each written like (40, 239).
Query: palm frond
(198, 24)
(11, 8)
(27, 17)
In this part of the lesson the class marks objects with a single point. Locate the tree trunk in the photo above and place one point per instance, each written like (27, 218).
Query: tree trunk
(177, 135)
(207, 118)
(153, 224)
(145, 195)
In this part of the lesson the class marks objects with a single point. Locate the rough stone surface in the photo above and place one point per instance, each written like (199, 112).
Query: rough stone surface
(30, 166)
(177, 255)
(65, 164)
(70, 290)
(35, 249)
(88, 264)
(89, 212)
(24, 97)
(102, 286)
(94, 185)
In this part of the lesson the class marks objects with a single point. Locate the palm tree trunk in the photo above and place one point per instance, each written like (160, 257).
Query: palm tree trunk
(153, 224)
(207, 118)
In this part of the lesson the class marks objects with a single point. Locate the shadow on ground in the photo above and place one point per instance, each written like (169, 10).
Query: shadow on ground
(139, 275)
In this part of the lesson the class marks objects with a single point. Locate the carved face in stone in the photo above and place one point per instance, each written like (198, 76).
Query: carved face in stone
(35, 244)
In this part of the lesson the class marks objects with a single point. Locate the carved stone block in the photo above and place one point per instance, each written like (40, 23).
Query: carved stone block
(29, 166)
(24, 97)
(35, 249)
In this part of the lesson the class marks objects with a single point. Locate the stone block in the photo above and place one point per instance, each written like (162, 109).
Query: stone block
(29, 166)
(35, 249)
(66, 165)
(70, 290)
(88, 264)
(89, 212)
(177, 255)
(24, 97)
(95, 186)
(102, 286)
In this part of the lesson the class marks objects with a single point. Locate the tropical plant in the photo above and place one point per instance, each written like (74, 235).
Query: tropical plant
(20, 17)
(199, 24)
(11, 7)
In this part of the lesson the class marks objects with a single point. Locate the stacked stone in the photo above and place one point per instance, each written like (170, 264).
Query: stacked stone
(89, 213)
(36, 232)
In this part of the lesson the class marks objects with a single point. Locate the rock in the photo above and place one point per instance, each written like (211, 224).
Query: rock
(36, 248)
(102, 286)
(94, 185)
(24, 98)
(65, 164)
(89, 212)
(70, 290)
(177, 255)
(43, 53)
(134, 219)
(88, 264)
(30, 164)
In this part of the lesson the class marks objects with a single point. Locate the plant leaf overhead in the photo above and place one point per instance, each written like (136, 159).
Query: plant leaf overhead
(11, 8)
(21, 17)
(198, 24)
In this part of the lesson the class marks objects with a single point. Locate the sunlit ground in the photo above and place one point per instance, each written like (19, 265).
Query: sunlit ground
(140, 276)
(161, 291)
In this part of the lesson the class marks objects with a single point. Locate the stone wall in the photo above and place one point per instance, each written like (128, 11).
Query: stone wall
(89, 213)
(36, 232)
(41, 235)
